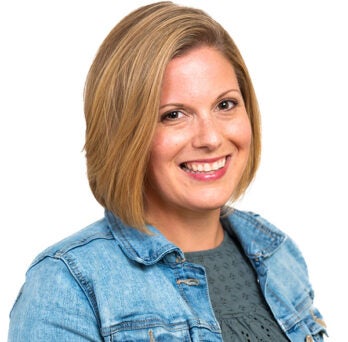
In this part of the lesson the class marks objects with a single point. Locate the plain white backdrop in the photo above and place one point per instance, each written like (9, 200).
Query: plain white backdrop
(297, 55)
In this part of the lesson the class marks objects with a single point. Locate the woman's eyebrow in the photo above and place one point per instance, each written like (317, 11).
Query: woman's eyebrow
(234, 90)
(180, 105)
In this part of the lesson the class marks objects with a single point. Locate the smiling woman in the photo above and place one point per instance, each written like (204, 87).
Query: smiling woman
(124, 91)
(172, 139)
(200, 148)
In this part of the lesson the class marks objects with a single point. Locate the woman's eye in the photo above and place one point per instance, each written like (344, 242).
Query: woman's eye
(226, 105)
(175, 114)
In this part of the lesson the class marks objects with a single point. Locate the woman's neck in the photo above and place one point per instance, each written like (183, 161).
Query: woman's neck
(190, 231)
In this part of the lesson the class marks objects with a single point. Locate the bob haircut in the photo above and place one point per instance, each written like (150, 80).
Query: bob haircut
(121, 100)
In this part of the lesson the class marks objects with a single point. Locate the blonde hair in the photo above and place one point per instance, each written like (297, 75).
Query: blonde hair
(122, 95)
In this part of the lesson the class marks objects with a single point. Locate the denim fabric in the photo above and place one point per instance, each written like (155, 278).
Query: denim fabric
(110, 282)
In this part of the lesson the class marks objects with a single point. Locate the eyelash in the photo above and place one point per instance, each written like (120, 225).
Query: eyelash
(167, 115)
(233, 103)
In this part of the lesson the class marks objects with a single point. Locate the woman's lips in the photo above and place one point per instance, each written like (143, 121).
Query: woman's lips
(204, 166)
(206, 170)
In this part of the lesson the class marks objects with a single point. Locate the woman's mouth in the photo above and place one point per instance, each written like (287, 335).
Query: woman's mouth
(204, 167)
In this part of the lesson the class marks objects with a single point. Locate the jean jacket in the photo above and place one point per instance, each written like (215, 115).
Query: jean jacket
(110, 282)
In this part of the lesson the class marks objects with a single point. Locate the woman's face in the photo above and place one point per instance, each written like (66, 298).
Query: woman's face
(203, 136)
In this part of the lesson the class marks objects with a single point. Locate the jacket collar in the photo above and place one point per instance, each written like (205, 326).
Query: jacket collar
(257, 237)
(144, 248)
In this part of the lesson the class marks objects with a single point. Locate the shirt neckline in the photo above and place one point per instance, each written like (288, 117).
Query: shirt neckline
(210, 251)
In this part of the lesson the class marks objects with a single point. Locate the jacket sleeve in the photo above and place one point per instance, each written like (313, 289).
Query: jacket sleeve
(51, 306)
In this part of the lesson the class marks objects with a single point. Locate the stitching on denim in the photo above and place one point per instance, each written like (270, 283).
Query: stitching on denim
(296, 313)
(83, 283)
(260, 224)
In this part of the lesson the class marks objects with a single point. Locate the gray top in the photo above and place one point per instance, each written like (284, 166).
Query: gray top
(235, 295)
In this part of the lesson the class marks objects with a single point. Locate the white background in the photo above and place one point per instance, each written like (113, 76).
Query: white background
(296, 52)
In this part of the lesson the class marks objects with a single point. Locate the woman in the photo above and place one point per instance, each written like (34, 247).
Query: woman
(172, 138)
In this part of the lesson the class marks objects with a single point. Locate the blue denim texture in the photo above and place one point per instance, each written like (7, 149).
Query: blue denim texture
(110, 282)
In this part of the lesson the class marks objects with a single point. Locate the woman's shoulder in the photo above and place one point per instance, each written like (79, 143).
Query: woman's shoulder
(80, 242)
(76, 262)
(254, 221)
(57, 293)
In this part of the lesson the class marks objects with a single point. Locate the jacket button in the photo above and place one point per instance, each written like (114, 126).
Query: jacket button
(309, 338)
(179, 260)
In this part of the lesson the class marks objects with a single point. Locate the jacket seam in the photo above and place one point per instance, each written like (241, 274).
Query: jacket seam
(265, 227)
(85, 241)
(83, 283)
(60, 252)
(144, 324)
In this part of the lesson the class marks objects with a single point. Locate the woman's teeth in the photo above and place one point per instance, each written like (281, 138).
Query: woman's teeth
(204, 167)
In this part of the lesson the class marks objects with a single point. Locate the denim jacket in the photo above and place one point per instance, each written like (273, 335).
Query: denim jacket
(110, 282)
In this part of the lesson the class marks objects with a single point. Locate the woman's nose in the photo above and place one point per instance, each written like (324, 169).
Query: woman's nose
(207, 132)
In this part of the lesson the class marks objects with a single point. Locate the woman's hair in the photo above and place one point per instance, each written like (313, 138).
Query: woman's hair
(122, 95)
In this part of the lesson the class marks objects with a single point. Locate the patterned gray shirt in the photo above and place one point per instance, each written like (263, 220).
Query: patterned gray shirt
(236, 298)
